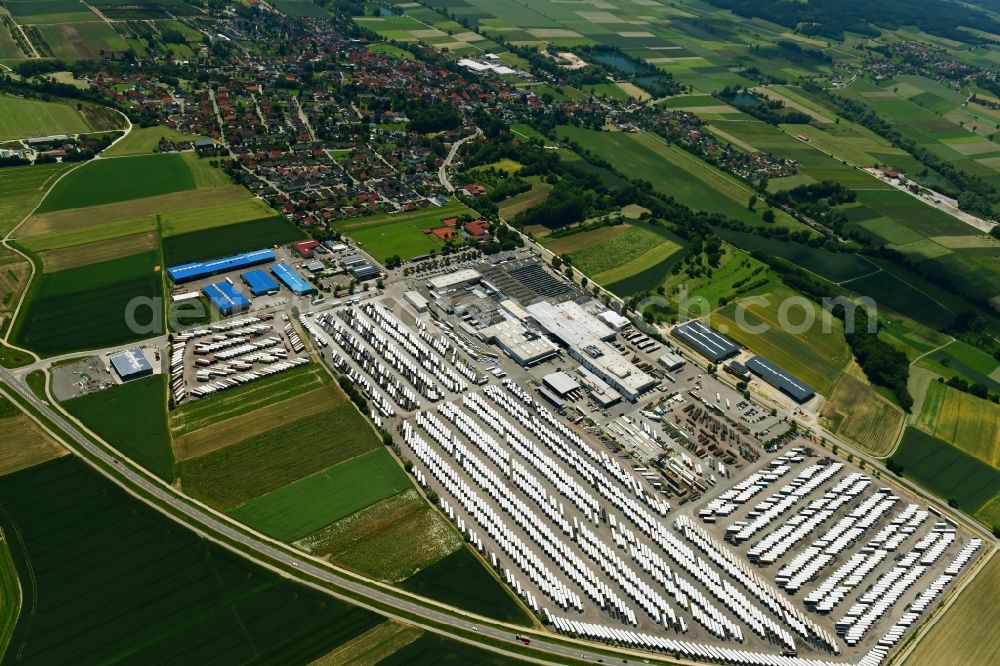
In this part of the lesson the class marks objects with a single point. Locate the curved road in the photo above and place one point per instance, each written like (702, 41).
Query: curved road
(443, 169)
(257, 549)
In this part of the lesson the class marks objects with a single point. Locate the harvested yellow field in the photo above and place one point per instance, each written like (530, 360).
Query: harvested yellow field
(372, 646)
(91, 253)
(967, 633)
(633, 90)
(91, 234)
(14, 272)
(970, 423)
(76, 218)
(221, 434)
(197, 219)
(859, 414)
(368, 541)
(23, 444)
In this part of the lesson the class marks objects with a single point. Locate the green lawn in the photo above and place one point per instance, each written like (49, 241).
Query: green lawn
(133, 419)
(120, 179)
(113, 580)
(300, 508)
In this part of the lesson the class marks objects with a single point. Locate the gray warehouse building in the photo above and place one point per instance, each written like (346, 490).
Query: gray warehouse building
(780, 379)
(130, 364)
(710, 344)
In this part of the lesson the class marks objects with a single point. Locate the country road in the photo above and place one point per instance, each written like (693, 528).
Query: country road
(263, 552)
(443, 169)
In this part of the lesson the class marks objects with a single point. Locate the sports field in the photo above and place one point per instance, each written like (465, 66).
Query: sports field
(132, 418)
(367, 541)
(313, 502)
(966, 634)
(24, 118)
(858, 413)
(969, 423)
(85, 307)
(230, 239)
(811, 346)
(295, 447)
(461, 580)
(386, 235)
(120, 179)
(111, 578)
(947, 471)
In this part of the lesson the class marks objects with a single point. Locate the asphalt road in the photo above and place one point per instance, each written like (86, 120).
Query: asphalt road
(443, 169)
(255, 548)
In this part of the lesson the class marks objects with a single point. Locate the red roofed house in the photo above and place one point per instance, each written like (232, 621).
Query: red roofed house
(478, 230)
(305, 248)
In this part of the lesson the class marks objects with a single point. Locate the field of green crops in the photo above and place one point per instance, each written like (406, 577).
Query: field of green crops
(22, 118)
(220, 241)
(133, 419)
(120, 179)
(85, 307)
(112, 579)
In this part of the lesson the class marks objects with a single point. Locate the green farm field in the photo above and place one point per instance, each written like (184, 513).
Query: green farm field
(313, 502)
(461, 580)
(615, 253)
(813, 355)
(947, 471)
(132, 418)
(219, 215)
(230, 239)
(120, 179)
(672, 171)
(966, 422)
(39, 12)
(144, 587)
(73, 41)
(70, 238)
(194, 416)
(402, 233)
(84, 308)
(21, 188)
(432, 649)
(24, 118)
(268, 460)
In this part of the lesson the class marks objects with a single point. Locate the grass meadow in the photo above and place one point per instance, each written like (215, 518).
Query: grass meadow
(24, 118)
(402, 233)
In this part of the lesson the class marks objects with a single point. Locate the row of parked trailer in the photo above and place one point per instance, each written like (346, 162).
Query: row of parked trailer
(247, 377)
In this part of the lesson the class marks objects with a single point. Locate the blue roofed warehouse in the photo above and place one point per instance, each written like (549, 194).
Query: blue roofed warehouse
(295, 282)
(197, 270)
(259, 282)
(225, 298)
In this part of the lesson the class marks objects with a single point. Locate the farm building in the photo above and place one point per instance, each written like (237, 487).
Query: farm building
(259, 282)
(130, 364)
(202, 269)
(225, 298)
(291, 279)
(710, 344)
(670, 361)
(780, 379)
(306, 248)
